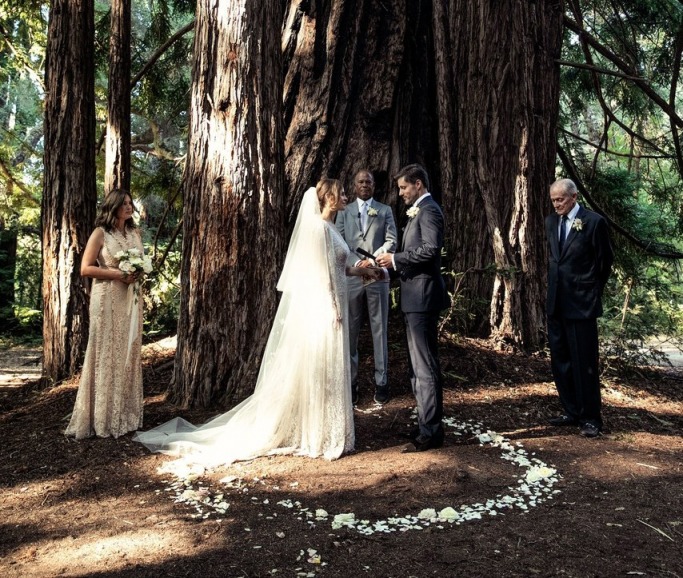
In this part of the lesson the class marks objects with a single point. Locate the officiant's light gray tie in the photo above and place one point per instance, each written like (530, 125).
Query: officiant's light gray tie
(563, 231)
(364, 217)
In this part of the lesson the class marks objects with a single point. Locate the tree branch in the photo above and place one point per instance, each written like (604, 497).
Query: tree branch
(37, 78)
(653, 248)
(145, 68)
(8, 174)
(598, 69)
(643, 84)
(610, 152)
(160, 51)
(585, 46)
(174, 236)
(672, 96)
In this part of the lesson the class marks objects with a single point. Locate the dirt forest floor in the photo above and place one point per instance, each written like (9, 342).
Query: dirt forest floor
(505, 496)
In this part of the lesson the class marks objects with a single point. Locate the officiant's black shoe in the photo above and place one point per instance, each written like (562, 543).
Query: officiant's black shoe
(422, 443)
(381, 395)
(590, 430)
(354, 396)
(562, 421)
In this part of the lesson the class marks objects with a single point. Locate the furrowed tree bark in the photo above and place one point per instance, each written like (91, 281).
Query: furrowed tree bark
(506, 87)
(355, 93)
(470, 90)
(69, 195)
(233, 219)
(118, 144)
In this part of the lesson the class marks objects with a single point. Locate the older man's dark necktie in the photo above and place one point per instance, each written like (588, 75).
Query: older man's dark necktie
(563, 231)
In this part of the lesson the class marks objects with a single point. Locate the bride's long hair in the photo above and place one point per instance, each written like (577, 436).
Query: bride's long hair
(328, 190)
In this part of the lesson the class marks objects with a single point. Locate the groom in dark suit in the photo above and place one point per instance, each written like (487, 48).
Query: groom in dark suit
(423, 296)
(580, 260)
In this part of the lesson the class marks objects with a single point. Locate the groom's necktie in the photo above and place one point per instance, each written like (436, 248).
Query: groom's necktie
(363, 217)
(563, 231)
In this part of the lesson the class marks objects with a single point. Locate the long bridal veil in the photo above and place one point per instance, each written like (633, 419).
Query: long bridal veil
(301, 379)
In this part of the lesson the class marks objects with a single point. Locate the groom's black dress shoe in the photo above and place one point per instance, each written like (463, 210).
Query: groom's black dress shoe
(562, 420)
(412, 434)
(590, 430)
(381, 395)
(422, 443)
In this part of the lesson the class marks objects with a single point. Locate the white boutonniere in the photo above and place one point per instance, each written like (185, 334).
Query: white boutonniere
(412, 212)
(577, 225)
(372, 212)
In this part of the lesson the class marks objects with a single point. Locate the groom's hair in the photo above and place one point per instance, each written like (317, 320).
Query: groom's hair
(412, 174)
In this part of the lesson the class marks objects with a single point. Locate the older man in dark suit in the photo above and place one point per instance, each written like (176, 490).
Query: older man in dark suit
(423, 296)
(580, 260)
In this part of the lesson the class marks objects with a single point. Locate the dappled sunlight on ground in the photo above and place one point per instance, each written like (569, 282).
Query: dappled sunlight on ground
(101, 507)
(87, 555)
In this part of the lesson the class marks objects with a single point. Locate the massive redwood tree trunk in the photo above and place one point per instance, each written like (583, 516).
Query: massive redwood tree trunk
(356, 92)
(498, 106)
(117, 163)
(470, 90)
(233, 220)
(69, 196)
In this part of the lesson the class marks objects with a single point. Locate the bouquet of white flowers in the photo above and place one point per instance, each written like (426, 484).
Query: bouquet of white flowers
(132, 261)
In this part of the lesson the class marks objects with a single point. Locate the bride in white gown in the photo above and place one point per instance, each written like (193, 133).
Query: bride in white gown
(302, 401)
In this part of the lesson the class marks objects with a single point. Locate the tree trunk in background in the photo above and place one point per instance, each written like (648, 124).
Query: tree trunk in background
(117, 163)
(356, 92)
(233, 218)
(468, 89)
(497, 143)
(69, 196)
(8, 265)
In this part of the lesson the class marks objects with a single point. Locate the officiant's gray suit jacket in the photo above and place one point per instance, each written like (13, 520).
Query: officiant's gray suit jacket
(379, 237)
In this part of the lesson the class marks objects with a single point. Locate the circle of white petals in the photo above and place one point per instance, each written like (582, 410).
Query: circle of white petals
(534, 486)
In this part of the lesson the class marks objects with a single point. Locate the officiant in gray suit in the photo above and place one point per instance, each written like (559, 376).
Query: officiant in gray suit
(368, 225)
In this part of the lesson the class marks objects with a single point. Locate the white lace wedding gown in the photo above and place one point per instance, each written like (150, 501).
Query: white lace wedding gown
(109, 399)
(302, 400)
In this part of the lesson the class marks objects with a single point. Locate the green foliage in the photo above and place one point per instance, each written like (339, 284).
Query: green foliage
(159, 131)
(162, 296)
(23, 30)
(28, 276)
(459, 317)
(619, 142)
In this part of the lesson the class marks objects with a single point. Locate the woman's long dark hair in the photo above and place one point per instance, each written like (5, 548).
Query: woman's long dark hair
(110, 206)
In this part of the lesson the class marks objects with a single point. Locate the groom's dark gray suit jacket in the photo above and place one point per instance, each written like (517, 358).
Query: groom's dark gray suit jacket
(418, 263)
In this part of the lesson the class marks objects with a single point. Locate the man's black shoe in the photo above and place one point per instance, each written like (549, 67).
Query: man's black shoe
(354, 396)
(562, 420)
(422, 443)
(590, 430)
(412, 434)
(381, 395)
